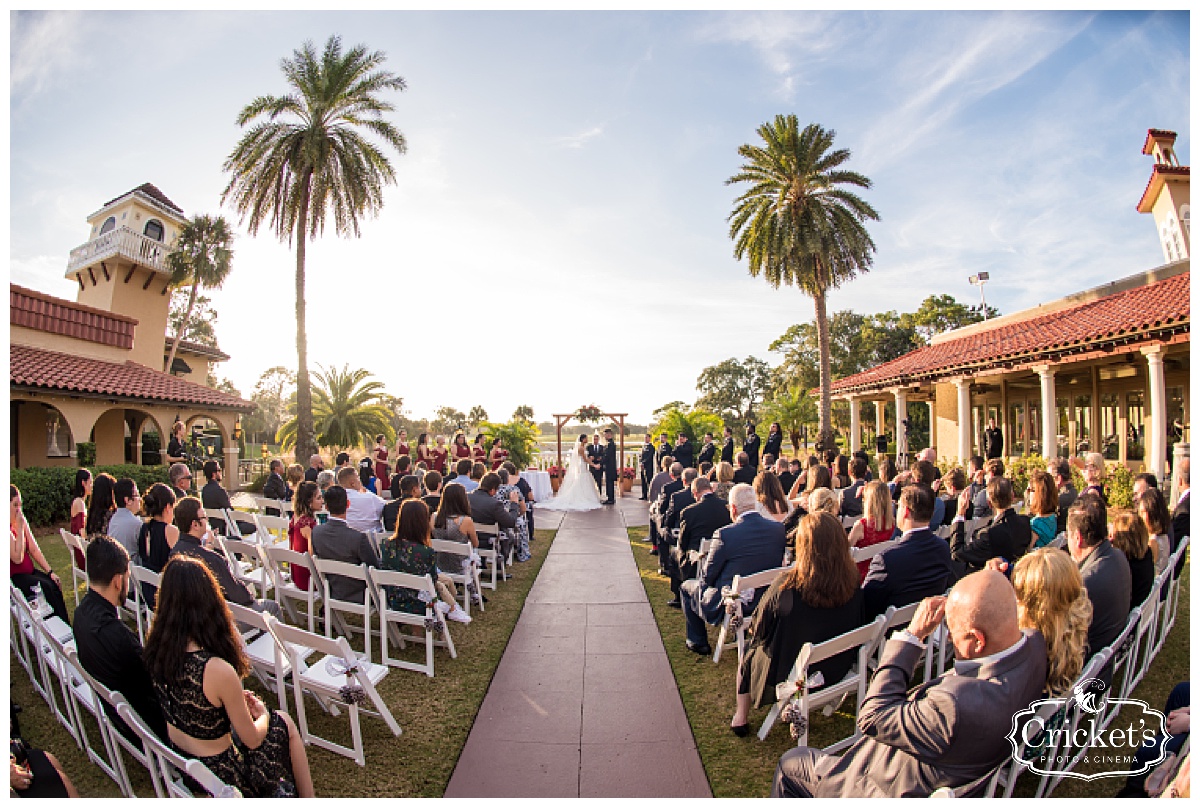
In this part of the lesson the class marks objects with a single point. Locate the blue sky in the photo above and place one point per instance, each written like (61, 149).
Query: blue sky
(557, 234)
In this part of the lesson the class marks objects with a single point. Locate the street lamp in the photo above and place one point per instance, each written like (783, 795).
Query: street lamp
(979, 280)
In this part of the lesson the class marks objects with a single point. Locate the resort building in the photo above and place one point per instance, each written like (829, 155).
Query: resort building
(1103, 370)
(91, 370)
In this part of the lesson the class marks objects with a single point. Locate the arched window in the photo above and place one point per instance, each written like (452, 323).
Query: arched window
(109, 224)
(154, 230)
(1185, 213)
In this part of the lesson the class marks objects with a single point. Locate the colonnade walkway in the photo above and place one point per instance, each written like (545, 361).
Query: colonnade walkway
(583, 703)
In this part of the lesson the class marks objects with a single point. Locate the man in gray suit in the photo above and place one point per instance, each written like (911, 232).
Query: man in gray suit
(487, 510)
(337, 541)
(1105, 571)
(951, 731)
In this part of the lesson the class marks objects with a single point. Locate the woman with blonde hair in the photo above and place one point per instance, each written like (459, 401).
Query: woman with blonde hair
(724, 479)
(1093, 469)
(771, 501)
(1052, 600)
(816, 477)
(1129, 535)
(878, 523)
(823, 500)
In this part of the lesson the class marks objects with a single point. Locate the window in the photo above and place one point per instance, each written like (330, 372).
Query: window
(1176, 419)
(109, 224)
(1110, 435)
(1185, 215)
(1135, 430)
(1035, 427)
(154, 230)
(1062, 426)
(1083, 424)
(1016, 428)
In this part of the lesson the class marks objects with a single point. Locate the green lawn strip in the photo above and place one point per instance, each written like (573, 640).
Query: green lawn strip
(744, 767)
(435, 714)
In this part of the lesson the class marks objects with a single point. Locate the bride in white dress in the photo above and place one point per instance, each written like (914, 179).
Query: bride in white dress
(578, 490)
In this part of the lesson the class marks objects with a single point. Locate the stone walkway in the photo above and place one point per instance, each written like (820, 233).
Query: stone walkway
(583, 703)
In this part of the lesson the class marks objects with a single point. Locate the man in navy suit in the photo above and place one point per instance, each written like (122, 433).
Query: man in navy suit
(918, 566)
(667, 559)
(1008, 536)
(751, 544)
(851, 497)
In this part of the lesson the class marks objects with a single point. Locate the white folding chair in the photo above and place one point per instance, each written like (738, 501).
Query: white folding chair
(492, 557)
(78, 574)
(465, 573)
(247, 565)
(1120, 654)
(83, 698)
(272, 530)
(870, 551)
(171, 765)
(22, 644)
(1171, 605)
(432, 622)
(339, 676)
(705, 544)
(286, 590)
(144, 609)
(1142, 649)
(893, 618)
(118, 740)
(740, 594)
(49, 637)
(945, 531)
(848, 522)
(1006, 774)
(269, 660)
(829, 696)
(333, 606)
(281, 505)
(231, 516)
(1075, 715)
(376, 538)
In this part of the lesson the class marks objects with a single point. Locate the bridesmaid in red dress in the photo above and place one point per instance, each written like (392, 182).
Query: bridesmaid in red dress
(306, 502)
(439, 455)
(381, 459)
(401, 445)
(478, 450)
(424, 455)
(498, 454)
(461, 450)
(81, 491)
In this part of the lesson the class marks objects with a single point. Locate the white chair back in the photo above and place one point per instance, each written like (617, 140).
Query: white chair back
(333, 605)
(272, 529)
(870, 551)
(75, 544)
(465, 574)
(285, 589)
(432, 622)
(742, 584)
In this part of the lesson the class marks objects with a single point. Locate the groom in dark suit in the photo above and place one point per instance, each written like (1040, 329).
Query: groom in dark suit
(595, 458)
(610, 467)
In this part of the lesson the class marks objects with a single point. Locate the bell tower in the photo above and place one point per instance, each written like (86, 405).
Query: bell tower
(1168, 196)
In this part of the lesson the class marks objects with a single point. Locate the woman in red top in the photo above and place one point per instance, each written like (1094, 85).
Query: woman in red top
(24, 558)
(81, 491)
(306, 502)
(424, 454)
(878, 523)
(478, 450)
(381, 459)
(461, 450)
(498, 454)
(401, 447)
(438, 456)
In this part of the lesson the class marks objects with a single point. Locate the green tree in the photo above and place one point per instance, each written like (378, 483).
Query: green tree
(519, 438)
(733, 389)
(798, 225)
(476, 416)
(349, 410)
(273, 392)
(940, 313)
(795, 411)
(202, 255)
(446, 420)
(521, 413)
(665, 408)
(201, 326)
(856, 342)
(693, 423)
(306, 160)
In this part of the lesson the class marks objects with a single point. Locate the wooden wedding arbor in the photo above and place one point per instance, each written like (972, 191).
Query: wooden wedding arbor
(593, 415)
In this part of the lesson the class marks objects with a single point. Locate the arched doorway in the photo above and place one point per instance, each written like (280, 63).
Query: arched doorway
(39, 435)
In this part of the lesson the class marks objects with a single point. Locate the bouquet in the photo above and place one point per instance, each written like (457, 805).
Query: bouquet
(589, 414)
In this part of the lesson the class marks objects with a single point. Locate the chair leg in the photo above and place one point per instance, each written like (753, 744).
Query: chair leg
(769, 721)
(721, 641)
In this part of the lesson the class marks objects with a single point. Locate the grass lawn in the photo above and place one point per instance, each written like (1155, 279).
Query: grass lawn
(744, 767)
(434, 714)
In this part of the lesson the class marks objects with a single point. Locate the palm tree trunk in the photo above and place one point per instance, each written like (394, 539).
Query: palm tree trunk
(187, 318)
(305, 445)
(825, 404)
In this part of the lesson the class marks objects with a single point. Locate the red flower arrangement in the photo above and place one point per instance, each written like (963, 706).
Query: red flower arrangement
(628, 474)
(556, 472)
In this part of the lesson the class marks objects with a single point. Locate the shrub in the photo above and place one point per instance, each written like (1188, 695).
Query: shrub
(86, 454)
(46, 492)
(520, 439)
(256, 485)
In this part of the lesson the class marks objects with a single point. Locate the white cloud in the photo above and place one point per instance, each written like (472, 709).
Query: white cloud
(45, 45)
(578, 141)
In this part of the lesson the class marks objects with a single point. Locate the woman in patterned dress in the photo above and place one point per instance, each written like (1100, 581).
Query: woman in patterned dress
(409, 551)
(516, 506)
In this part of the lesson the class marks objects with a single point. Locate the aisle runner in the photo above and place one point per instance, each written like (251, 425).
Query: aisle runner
(583, 703)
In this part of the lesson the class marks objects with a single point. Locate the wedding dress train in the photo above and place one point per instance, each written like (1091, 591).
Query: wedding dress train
(578, 490)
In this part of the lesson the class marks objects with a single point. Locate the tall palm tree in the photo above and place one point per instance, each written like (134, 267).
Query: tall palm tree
(349, 410)
(202, 255)
(799, 226)
(306, 159)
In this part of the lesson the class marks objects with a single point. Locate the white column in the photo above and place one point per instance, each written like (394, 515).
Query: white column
(933, 423)
(1049, 413)
(901, 395)
(231, 476)
(964, 419)
(879, 416)
(1156, 450)
(855, 430)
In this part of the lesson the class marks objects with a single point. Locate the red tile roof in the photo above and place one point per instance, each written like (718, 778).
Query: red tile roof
(54, 315)
(1141, 313)
(1159, 174)
(150, 191)
(1151, 134)
(34, 367)
(195, 348)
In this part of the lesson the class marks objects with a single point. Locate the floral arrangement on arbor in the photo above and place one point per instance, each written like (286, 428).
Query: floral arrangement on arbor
(556, 472)
(589, 414)
(627, 473)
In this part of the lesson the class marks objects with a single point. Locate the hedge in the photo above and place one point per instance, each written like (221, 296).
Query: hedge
(46, 492)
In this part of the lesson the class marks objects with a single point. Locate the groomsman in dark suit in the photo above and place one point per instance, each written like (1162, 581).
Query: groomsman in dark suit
(707, 451)
(774, 444)
(727, 447)
(664, 449)
(647, 466)
(751, 446)
(608, 464)
(684, 452)
(595, 458)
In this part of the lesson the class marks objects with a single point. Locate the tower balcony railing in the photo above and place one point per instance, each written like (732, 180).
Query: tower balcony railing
(120, 243)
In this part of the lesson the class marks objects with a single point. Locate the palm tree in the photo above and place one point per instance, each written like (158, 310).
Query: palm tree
(306, 159)
(350, 410)
(798, 225)
(201, 255)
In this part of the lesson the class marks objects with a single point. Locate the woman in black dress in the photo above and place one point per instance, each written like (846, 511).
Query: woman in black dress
(814, 601)
(195, 659)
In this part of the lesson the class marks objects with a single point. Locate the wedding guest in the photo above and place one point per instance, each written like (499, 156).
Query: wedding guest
(817, 477)
(823, 500)
(953, 484)
(1052, 601)
(1060, 472)
(774, 444)
(887, 469)
(433, 491)
(338, 541)
(27, 567)
(1042, 505)
(1104, 568)
(403, 469)
(1178, 711)
(1151, 508)
(497, 454)
(783, 470)
(751, 544)
(745, 471)
(658, 512)
(159, 535)
(365, 476)
(487, 510)
(410, 488)
(663, 477)
(1144, 482)
(381, 459)
(877, 524)
(947, 732)
(438, 456)
(108, 650)
(697, 523)
(103, 506)
(295, 476)
(341, 461)
(815, 600)
(1007, 536)
(1093, 474)
(316, 464)
(195, 659)
(180, 477)
(453, 522)
(125, 524)
(326, 479)
(1181, 517)
(80, 491)
(216, 498)
(723, 476)
(408, 550)
(307, 502)
(923, 473)
(1130, 537)
(526, 493)
(175, 452)
(463, 478)
(365, 509)
(840, 472)
(195, 540)
(478, 470)
(275, 487)
(509, 495)
(850, 498)
(772, 503)
(35, 773)
(918, 566)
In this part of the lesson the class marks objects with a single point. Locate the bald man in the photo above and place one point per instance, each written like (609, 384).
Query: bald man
(948, 732)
